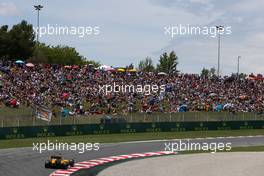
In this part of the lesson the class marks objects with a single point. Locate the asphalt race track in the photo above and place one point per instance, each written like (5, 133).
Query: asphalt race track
(26, 162)
(203, 164)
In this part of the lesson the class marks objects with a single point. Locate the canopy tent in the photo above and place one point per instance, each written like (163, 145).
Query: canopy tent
(75, 67)
(162, 73)
(228, 106)
(132, 70)
(218, 107)
(253, 77)
(30, 65)
(103, 67)
(19, 62)
(65, 112)
(110, 69)
(182, 108)
(121, 70)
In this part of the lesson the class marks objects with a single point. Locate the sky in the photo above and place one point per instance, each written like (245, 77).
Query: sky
(129, 31)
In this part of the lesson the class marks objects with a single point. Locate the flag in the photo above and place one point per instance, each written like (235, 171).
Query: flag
(43, 114)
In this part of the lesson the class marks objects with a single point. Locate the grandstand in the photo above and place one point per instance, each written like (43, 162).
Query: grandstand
(70, 95)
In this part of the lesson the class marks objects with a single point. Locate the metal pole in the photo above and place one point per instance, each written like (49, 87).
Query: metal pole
(38, 27)
(238, 65)
(38, 8)
(34, 122)
(33, 117)
(219, 28)
(38, 37)
(218, 58)
(131, 118)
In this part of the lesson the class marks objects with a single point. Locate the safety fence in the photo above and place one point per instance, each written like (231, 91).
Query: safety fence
(20, 121)
(87, 129)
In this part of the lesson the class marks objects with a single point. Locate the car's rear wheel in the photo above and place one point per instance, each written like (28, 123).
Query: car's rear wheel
(47, 164)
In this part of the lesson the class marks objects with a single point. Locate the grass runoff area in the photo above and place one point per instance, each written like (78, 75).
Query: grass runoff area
(113, 138)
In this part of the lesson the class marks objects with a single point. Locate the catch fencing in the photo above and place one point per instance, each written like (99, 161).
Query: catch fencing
(21, 121)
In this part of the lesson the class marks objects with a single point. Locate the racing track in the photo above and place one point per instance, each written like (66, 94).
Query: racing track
(26, 162)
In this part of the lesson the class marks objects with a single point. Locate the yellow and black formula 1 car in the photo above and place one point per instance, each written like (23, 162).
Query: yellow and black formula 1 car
(57, 162)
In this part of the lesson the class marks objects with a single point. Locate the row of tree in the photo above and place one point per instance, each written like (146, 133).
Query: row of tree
(208, 72)
(19, 43)
(167, 63)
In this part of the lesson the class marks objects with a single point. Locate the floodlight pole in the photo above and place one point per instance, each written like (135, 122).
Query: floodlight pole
(219, 28)
(38, 8)
(238, 65)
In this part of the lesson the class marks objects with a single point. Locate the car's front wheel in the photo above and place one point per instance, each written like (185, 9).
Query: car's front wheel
(71, 163)
(64, 166)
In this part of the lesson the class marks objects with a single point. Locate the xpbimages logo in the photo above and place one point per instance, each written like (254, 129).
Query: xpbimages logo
(61, 146)
(122, 88)
(57, 30)
(212, 31)
(187, 145)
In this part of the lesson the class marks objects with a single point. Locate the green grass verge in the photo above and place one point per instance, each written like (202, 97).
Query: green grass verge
(112, 138)
(248, 149)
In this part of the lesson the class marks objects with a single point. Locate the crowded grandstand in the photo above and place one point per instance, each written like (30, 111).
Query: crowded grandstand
(75, 90)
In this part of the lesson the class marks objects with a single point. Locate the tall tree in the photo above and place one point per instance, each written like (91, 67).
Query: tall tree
(64, 55)
(205, 73)
(4, 42)
(22, 42)
(212, 71)
(168, 63)
(130, 66)
(208, 73)
(146, 65)
(92, 62)
(19, 43)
